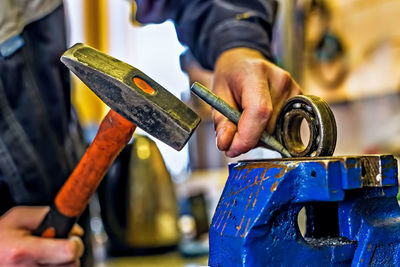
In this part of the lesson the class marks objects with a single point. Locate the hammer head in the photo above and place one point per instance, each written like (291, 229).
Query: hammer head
(133, 94)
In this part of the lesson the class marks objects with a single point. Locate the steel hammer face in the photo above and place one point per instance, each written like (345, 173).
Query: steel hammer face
(133, 95)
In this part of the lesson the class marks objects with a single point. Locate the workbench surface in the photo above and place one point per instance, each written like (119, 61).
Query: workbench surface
(168, 259)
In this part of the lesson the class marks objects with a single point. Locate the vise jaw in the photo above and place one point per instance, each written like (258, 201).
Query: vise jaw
(353, 218)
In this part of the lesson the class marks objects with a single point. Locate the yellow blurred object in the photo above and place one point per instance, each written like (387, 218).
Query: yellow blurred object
(152, 209)
(133, 14)
(143, 148)
(90, 108)
(138, 201)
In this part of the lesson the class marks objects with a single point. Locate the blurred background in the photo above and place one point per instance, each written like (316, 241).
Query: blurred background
(155, 205)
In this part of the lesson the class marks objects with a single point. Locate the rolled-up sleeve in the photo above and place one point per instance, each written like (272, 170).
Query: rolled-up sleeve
(210, 27)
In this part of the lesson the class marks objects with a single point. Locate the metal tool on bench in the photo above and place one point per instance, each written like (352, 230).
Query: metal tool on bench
(353, 218)
(135, 99)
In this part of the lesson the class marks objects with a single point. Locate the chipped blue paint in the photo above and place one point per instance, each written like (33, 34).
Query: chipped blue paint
(255, 223)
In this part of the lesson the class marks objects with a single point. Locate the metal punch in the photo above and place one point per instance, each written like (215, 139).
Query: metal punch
(287, 138)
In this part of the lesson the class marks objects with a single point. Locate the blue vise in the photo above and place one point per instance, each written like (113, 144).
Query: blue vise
(352, 214)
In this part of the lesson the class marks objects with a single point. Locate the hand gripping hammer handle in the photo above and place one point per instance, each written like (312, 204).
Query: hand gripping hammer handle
(114, 133)
(134, 99)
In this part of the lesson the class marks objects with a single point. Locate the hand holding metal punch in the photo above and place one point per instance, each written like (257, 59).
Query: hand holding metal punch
(314, 110)
(234, 115)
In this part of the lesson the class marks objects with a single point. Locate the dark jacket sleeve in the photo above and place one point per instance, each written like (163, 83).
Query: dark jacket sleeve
(211, 27)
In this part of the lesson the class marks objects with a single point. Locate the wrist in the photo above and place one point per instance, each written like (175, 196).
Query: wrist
(241, 51)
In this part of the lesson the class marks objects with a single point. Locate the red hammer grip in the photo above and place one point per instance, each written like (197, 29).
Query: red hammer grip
(114, 133)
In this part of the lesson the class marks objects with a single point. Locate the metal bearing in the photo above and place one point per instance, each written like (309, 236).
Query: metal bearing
(321, 123)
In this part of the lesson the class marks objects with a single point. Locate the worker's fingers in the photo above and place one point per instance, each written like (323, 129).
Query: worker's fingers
(257, 110)
(29, 218)
(24, 217)
(293, 90)
(282, 87)
(224, 128)
(245, 79)
(77, 263)
(76, 230)
(70, 264)
(244, 73)
(241, 74)
(20, 248)
(54, 251)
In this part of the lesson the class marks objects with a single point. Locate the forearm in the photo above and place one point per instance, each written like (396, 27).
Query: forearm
(233, 39)
(212, 27)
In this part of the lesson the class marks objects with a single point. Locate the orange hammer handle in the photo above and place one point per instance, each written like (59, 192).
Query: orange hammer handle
(114, 133)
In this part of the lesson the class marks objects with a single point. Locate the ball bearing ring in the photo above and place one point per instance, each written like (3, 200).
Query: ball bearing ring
(321, 124)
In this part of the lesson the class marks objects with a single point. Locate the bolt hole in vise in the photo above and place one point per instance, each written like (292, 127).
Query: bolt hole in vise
(313, 209)
(318, 224)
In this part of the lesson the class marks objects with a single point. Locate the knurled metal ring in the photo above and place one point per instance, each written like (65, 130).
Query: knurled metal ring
(321, 124)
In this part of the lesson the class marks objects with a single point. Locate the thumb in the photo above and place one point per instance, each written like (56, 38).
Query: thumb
(54, 251)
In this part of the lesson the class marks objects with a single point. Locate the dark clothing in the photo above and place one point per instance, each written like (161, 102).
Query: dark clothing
(211, 27)
(40, 141)
(40, 138)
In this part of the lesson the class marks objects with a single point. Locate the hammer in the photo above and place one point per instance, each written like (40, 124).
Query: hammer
(134, 99)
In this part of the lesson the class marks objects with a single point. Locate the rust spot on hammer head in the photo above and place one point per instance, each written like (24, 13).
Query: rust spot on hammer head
(144, 86)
